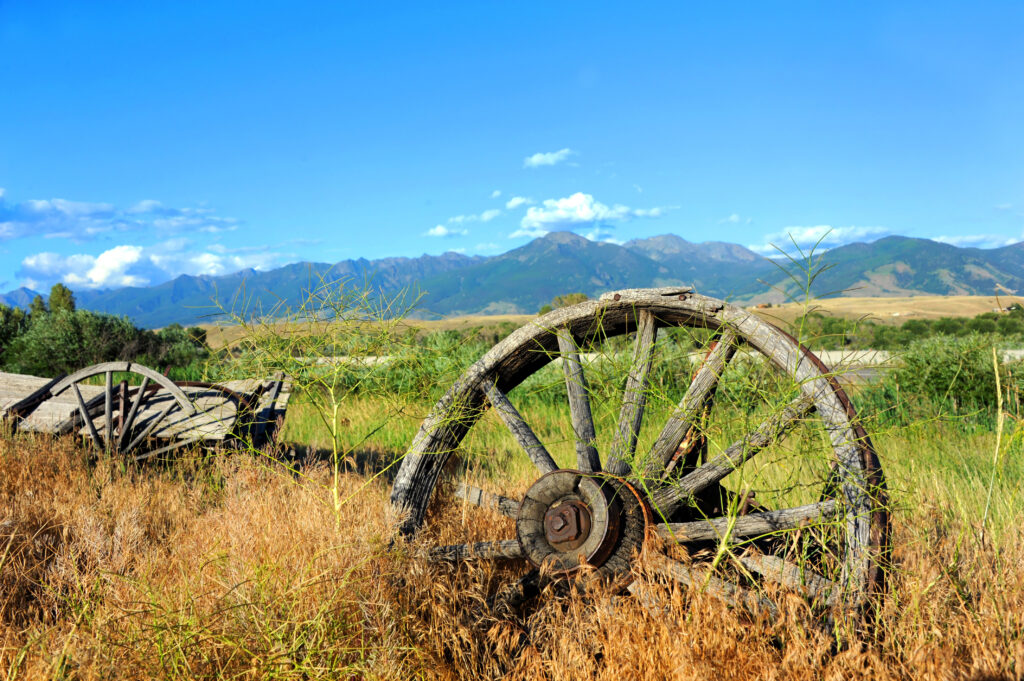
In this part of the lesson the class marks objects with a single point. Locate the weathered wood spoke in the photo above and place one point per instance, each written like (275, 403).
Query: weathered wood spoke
(520, 430)
(474, 495)
(108, 406)
(129, 421)
(84, 411)
(634, 397)
(579, 405)
(666, 450)
(151, 426)
(506, 549)
(731, 594)
(801, 579)
(751, 525)
(667, 499)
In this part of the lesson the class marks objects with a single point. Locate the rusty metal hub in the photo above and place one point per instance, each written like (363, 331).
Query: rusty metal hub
(567, 525)
(569, 519)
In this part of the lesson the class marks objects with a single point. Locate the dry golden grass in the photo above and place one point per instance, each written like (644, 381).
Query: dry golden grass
(233, 567)
(892, 310)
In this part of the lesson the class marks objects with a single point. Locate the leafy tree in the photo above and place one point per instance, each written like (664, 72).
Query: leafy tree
(61, 298)
(37, 307)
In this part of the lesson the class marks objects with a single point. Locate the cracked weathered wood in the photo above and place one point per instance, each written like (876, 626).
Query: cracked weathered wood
(750, 525)
(532, 346)
(579, 405)
(634, 396)
(801, 579)
(731, 594)
(520, 430)
(478, 497)
(669, 498)
(697, 398)
(507, 549)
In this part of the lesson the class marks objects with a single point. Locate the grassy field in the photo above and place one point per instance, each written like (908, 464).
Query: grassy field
(881, 310)
(240, 567)
(281, 564)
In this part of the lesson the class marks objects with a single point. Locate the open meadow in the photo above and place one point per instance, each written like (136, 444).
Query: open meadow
(281, 563)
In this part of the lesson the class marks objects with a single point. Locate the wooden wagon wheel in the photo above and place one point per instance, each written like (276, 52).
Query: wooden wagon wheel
(125, 423)
(818, 525)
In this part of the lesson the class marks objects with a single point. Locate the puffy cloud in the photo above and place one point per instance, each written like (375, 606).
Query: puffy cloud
(496, 193)
(820, 237)
(734, 219)
(548, 158)
(978, 240)
(130, 265)
(577, 211)
(517, 201)
(442, 231)
(489, 215)
(83, 221)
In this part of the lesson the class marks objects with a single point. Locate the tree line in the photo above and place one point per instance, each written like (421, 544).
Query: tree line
(54, 337)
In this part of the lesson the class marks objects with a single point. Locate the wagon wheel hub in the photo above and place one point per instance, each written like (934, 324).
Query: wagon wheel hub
(570, 518)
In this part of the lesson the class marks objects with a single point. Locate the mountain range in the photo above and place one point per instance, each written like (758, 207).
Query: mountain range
(524, 278)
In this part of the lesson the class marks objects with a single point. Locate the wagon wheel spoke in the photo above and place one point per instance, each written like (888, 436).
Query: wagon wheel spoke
(505, 549)
(799, 578)
(129, 421)
(634, 397)
(520, 430)
(506, 506)
(108, 407)
(96, 439)
(179, 444)
(514, 595)
(579, 405)
(152, 425)
(751, 525)
(666, 500)
(732, 594)
(670, 450)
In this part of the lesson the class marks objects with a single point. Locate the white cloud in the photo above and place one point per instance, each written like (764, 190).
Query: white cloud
(490, 246)
(577, 211)
(131, 265)
(517, 201)
(496, 193)
(83, 221)
(486, 216)
(442, 231)
(549, 158)
(978, 240)
(820, 237)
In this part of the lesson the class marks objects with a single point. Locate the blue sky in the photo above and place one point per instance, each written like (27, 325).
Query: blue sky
(139, 141)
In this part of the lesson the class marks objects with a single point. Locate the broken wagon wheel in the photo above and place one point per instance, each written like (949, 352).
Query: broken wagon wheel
(121, 418)
(790, 441)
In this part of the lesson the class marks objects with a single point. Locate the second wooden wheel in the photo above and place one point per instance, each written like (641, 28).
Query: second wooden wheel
(755, 472)
(122, 417)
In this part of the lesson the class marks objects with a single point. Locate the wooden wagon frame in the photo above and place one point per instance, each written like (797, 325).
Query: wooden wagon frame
(148, 416)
